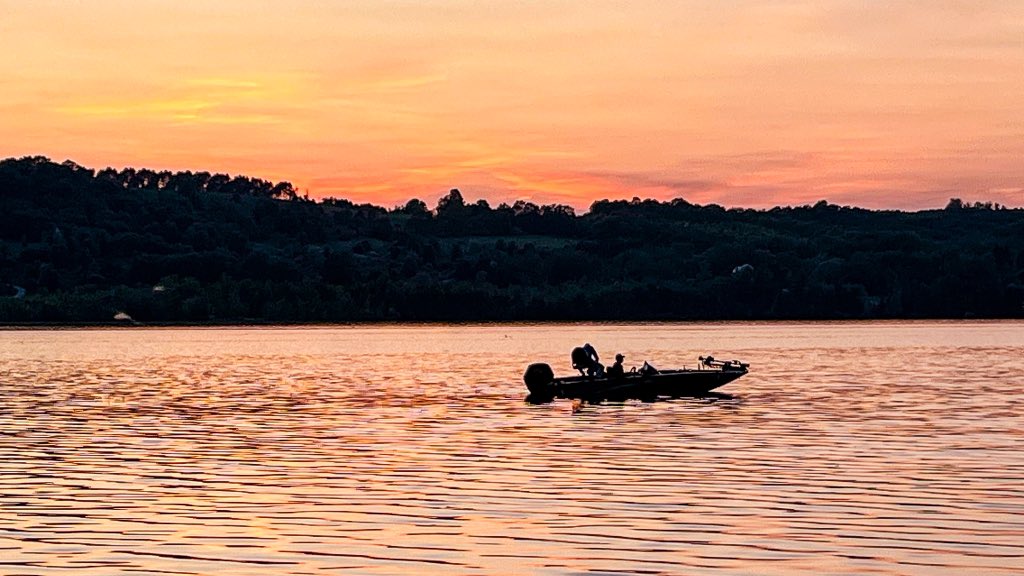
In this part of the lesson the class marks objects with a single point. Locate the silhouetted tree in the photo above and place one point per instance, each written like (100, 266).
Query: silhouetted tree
(451, 203)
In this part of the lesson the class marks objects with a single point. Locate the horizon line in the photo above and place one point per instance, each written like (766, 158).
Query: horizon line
(303, 195)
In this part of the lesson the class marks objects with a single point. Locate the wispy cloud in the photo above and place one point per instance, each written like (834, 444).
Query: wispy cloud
(213, 100)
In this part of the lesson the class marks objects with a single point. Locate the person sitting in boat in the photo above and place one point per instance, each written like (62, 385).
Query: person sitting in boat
(616, 370)
(585, 360)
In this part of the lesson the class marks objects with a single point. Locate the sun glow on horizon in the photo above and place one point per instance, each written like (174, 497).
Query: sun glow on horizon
(745, 104)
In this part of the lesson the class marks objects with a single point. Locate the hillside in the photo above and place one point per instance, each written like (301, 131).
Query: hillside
(79, 246)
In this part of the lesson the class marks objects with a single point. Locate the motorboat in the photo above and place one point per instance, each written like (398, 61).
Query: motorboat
(646, 383)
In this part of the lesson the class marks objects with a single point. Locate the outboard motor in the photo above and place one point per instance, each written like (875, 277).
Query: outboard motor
(537, 378)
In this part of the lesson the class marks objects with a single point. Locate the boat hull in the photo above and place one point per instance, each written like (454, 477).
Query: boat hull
(668, 383)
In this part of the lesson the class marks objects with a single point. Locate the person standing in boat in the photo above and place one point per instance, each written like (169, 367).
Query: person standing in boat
(616, 370)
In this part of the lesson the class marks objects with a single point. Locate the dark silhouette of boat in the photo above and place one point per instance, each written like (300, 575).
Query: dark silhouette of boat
(644, 384)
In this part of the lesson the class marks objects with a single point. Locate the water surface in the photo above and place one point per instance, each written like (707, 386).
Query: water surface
(870, 448)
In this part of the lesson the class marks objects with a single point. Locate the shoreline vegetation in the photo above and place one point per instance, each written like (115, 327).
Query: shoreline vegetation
(250, 324)
(99, 248)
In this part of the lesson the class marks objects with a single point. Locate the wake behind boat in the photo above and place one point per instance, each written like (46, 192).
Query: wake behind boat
(646, 383)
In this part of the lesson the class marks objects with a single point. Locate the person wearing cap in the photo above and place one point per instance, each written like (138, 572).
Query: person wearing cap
(616, 370)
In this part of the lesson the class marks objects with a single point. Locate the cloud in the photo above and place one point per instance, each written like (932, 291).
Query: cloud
(215, 100)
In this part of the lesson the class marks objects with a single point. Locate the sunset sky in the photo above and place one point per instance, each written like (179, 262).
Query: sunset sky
(742, 103)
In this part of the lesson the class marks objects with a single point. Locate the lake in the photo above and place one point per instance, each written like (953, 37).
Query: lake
(850, 448)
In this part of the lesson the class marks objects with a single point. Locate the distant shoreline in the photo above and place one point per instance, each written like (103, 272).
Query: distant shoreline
(11, 327)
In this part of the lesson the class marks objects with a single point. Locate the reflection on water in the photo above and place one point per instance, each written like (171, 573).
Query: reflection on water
(888, 448)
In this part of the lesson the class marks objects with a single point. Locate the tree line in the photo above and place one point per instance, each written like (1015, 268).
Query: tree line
(81, 246)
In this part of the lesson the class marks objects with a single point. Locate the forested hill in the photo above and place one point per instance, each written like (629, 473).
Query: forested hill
(78, 245)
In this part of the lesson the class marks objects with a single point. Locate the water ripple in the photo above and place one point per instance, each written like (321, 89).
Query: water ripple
(879, 448)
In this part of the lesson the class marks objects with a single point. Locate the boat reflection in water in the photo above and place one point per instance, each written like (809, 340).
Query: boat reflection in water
(647, 383)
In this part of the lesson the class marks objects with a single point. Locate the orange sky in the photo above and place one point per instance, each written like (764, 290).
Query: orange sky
(743, 103)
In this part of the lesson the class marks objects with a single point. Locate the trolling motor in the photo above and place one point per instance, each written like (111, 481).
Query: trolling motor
(710, 362)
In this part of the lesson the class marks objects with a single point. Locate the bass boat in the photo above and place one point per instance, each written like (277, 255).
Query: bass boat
(644, 384)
